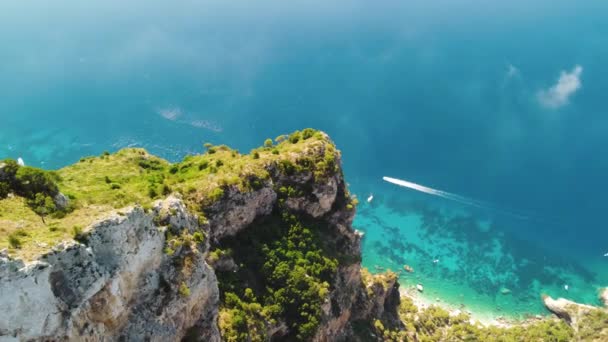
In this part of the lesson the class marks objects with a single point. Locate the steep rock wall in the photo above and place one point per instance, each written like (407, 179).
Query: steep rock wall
(117, 282)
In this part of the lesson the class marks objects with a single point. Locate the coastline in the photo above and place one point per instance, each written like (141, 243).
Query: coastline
(485, 318)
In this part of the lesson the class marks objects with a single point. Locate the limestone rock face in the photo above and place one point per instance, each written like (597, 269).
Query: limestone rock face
(568, 310)
(121, 281)
(324, 196)
(381, 301)
(237, 210)
(117, 283)
(61, 201)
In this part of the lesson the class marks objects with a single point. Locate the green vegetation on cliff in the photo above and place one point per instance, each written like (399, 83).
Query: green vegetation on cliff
(275, 276)
(284, 276)
(99, 185)
(434, 324)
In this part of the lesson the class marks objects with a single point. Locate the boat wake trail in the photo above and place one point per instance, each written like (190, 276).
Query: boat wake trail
(454, 197)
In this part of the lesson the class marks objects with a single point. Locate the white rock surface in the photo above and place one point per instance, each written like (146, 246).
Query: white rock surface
(115, 285)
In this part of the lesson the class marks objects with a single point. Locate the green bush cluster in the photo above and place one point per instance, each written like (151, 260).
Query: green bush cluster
(434, 324)
(14, 239)
(217, 253)
(156, 183)
(280, 138)
(592, 325)
(184, 290)
(289, 191)
(242, 319)
(150, 164)
(215, 194)
(305, 134)
(198, 237)
(291, 281)
(37, 186)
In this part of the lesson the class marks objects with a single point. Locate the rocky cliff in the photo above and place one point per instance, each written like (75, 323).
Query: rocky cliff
(116, 282)
(589, 322)
(220, 246)
(141, 262)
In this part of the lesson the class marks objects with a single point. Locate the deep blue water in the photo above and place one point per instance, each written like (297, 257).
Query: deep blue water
(444, 94)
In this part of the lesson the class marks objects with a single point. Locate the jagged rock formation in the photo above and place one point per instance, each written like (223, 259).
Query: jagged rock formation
(141, 274)
(117, 283)
(567, 309)
(589, 322)
(150, 266)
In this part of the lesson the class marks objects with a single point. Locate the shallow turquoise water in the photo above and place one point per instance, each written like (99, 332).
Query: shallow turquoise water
(457, 95)
(465, 260)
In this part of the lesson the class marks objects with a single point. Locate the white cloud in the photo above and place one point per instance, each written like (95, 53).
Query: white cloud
(559, 94)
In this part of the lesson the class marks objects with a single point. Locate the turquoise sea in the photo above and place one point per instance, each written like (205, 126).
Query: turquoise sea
(501, 103)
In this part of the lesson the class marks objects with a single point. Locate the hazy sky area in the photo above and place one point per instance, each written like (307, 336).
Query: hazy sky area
(502, 101)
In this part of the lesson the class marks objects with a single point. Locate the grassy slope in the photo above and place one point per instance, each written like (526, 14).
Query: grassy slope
(99, 185)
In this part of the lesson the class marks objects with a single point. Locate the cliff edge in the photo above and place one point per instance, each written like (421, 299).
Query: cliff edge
(220, 246)
(214, 247)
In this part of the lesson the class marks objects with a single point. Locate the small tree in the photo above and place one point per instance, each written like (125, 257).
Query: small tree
(268, 143)
(42, 205)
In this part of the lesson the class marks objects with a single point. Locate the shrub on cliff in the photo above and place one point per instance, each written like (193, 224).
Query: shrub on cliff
(37, 186)
(14, 241)
(294, 274)
(436, 324)
(308, 133)
(294, 137)
(42, 205)
(4, 190)
(31, 181)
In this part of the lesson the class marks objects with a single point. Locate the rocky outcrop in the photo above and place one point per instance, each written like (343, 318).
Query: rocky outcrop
(116, 283)
(338, 310)
(61, 201)
(575, 314)
(142, 275)
(604, 296)
(381, 300)
(323, 197)
(237, 210)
